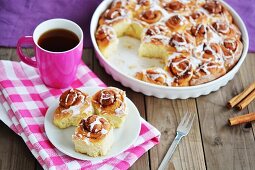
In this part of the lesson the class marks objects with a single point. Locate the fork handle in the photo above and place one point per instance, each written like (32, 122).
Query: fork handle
(170, 151)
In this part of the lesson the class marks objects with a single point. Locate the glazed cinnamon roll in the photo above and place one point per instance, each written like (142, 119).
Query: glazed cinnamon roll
(150, 16)
(177, 23)
(74, 105)
(118, 18)
(145, 3)
(207, 72)
(226, 29)
(121, 4)
(93, 136)
(216, 9)
(213, 7)
(155, 37)
(180, 69)
(199, 32)
(197, 17)
(232, 50)
(110, 103)
(106, 39)
(212, 52)
(181, 42)
(141, 5)
(155, 76)
(174, 6)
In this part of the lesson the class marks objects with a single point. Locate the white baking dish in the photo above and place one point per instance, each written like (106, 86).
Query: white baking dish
(162, 91)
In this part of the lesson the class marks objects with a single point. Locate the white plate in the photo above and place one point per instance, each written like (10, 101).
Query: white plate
(162, 91)
(124, 136)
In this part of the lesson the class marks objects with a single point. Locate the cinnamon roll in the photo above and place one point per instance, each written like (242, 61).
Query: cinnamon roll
(120, 4)
(200, 33)
(140, 5)
(226, 29)
(232, 50)
(207, 72)
(155, 41)
(118, 18)
(106, 39)
(110, 103)
(174, 6)
(180, 69)
(74, 105)
(216, 9)
(197, 17)
(212, 52)
(177, 23)
(93, 136)
(155, 76)
(151, 16)
(181, 42)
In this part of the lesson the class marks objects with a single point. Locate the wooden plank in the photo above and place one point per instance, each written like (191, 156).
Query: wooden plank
(137, 98)
(226, 147)
(87, 57)
(248, 77)
(14, 154)
(6, 53)
(165, 115)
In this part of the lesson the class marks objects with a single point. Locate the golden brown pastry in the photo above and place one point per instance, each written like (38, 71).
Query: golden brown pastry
(110, 103)
(180, 69)
(232, 50)
(155, 76)
(154, 41)
(93, 136)
(177, 23)
(106, 39)
(74, 105)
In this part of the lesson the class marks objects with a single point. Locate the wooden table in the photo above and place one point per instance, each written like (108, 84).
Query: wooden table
(211, 144)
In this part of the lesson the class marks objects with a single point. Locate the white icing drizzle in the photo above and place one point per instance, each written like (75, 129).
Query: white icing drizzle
(106, 96)
(122, 109)
(96, 122)
(180, 70)
(104, 131)
(86, 140)
(158, 72)
(75, 110)
(123, 2)
(162, 38)
(195, 62)
(123, 15)
(182, 46)
(214, 37)
(109, 32)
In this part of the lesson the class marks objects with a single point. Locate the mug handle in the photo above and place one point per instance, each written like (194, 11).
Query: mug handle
(25, 40)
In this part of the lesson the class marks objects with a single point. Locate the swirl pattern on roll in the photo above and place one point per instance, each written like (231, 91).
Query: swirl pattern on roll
(110, 101)
(92, 129)
(72, 97)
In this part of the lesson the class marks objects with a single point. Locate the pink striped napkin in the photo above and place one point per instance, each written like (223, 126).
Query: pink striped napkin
(25, 99)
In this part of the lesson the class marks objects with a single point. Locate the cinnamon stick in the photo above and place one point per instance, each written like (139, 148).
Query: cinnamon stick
(241, 119)
(238, 98)
(246, 101)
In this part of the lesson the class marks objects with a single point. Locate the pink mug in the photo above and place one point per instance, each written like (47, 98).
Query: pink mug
(56, 69)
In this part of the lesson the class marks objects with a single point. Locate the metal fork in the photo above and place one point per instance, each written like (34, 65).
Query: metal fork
(182, 130)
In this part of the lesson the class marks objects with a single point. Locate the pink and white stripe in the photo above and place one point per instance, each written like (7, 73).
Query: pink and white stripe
(25, 99)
